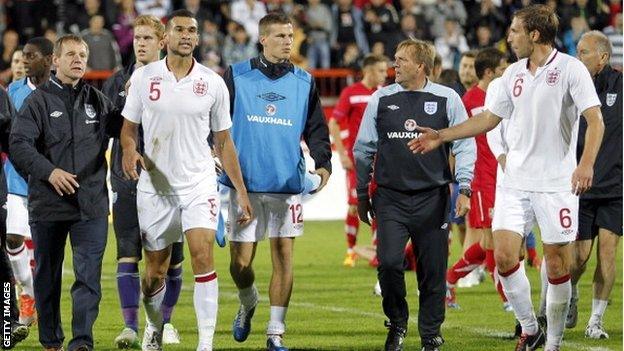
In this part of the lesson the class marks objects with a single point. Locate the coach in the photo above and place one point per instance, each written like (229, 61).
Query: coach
(58, 140)
(412, 197)
(600, 208)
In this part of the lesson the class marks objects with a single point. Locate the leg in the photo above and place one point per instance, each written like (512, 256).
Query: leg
(88, 241)
(558, 258)
(206, 289)
(352, 222)
(581, 249)
(604, 278)
(172, 293)
(515, 283)
(280, 287)
(153, 285)
(49, 239)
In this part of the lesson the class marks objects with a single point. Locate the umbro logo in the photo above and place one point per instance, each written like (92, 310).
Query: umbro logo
(393, 107)
(122, 93)
(271, 97)
(91, 121)
(56, 114)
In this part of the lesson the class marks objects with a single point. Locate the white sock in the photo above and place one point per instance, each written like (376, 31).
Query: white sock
(248, 297)
(20, 263)
(206, 302)
(517, 288)
(276, 320)
(544, 289)
(152, 303)
(598, 310)
(557, 306)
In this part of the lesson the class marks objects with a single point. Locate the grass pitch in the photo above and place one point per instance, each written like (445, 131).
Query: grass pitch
(333, 307)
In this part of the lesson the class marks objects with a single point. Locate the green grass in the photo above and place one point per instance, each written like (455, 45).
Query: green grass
(333, 307)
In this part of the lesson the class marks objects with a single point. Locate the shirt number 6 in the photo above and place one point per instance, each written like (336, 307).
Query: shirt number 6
(517, 88)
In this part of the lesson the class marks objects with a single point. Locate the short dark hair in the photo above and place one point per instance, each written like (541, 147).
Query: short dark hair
(44, 45)
(449, 78)
(372, 59)
(487, 58)
(542, 19)
(272, 18)
(179, 13)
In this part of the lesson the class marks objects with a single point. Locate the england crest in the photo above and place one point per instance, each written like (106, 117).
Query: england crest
(90, 111)
(552, 76)
(431, 107)
(611, 99)
(199, 87)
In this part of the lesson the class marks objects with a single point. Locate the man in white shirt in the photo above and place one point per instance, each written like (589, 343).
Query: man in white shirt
(543, 94)
(179, 103)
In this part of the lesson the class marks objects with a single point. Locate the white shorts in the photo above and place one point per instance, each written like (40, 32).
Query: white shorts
(163, 219)
(556, 213)
(17, 215)
(281, 215)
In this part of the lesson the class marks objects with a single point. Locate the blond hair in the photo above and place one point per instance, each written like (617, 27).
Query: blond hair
(152, 22)
(422, 52)
(58, 46)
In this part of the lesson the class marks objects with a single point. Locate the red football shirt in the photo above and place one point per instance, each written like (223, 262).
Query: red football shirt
(485, 165)
(350, 109)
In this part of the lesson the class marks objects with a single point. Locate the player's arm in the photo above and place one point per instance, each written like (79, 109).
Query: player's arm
(497, 144)
(465, 152)
(131, 158)
(583, 175)
(364, 152)
(316, 136)
(226, 151)
(341, 111)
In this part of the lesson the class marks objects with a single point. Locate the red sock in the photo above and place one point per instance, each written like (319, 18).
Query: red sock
(352, 224)
(473, 257)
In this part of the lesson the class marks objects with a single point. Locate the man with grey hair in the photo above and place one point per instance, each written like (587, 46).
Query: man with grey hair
(600, 208)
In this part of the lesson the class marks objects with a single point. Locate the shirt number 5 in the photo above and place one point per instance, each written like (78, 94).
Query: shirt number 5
(154, 93)
(517, 88)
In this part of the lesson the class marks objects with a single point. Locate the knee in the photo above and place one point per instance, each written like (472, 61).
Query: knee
(239, 265)
(505, 261)
(352, 210)
(390, 263)
(556, 268)
(580, 259)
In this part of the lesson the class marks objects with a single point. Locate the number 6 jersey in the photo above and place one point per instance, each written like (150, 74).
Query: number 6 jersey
(543, 111)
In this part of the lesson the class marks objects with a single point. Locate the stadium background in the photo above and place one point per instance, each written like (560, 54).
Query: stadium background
(333, 307)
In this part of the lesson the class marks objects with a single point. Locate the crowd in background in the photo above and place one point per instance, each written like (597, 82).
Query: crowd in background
(328, 33)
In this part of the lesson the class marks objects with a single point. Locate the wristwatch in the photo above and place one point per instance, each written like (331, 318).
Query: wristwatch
(466, 192)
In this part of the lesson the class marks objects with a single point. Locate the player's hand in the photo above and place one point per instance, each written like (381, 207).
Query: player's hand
(347, 164)
(428, 140)
(365, 211)
(324, 178)
(582, 179)
(462, 205)
(502, 161)
(63, 182)
(129, 161)
(247, 212)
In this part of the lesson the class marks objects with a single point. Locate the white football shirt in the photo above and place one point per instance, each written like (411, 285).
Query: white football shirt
(543, 112)
(177, 117)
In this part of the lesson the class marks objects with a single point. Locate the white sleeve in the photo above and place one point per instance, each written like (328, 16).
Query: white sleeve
(581, 86)
(220, 111)
(497, 99)
(133, 108)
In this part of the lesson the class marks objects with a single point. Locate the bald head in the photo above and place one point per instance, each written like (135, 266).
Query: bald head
(594, 50)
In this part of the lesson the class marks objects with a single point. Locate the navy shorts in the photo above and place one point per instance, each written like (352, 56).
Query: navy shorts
(599, 213)
(127, 233)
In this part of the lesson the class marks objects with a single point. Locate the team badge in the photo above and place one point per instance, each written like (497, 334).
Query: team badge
(431, 107)
(200, 88)
(611, 99)
(552, 76)
(271, 97)
(270, 109)
(410, 125)
(89, 110)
